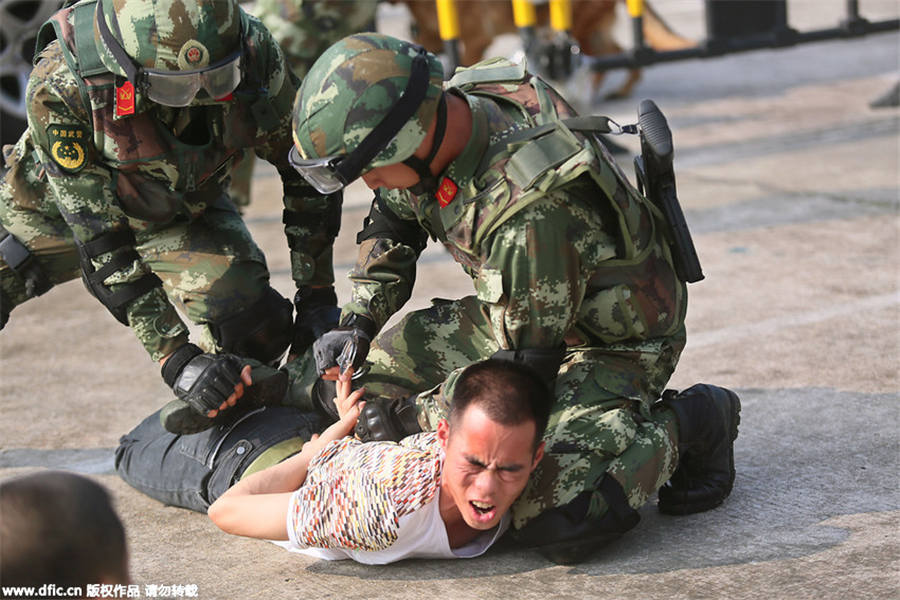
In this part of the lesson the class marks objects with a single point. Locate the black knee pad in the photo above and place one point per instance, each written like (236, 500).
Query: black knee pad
(121, 243)
(262, 331)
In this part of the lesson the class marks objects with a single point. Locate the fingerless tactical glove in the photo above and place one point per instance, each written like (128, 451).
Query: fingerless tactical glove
(202, 380)
(345, 346)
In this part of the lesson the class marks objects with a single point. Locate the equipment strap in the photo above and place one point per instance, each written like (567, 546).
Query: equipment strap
(115, 301)
(498, 70)
(108, 242)
(587, 124)
(129, 292)
(88, 57)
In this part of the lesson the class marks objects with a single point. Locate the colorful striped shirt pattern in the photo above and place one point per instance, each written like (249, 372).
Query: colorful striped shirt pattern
(355, 493)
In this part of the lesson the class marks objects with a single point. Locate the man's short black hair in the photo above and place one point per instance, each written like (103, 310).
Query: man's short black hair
(59, 528)
(510, 393)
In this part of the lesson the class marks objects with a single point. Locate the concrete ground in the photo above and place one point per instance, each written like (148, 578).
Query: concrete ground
(790, 183)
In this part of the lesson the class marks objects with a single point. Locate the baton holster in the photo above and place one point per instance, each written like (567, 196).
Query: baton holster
(656, 179)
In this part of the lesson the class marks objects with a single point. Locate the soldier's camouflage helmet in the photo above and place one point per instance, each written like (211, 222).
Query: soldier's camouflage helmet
(353, 86)
(169, 35)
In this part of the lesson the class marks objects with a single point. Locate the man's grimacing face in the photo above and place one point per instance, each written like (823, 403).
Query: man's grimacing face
(486, 465)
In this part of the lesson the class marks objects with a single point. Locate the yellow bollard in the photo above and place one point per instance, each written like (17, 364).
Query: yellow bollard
(448, 20)
(635, 8)
(524, 14)
(561, 15)
(448, 27)
(636, 12)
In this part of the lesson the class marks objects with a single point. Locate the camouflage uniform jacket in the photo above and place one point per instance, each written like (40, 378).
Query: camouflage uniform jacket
(625, 289)
(109, 172)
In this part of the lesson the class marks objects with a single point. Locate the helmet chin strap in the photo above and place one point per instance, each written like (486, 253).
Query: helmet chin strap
(428, 182)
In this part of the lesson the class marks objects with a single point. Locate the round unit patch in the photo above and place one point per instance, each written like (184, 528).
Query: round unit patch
(193, 55)
(67, 146)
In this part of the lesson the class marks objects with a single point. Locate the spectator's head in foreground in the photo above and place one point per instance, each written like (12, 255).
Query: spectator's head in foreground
(59, 528)
(492, 438)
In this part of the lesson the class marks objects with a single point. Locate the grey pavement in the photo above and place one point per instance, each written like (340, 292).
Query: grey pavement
(791, 184)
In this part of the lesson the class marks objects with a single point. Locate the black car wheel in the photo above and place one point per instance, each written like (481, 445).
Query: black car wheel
(20, 21)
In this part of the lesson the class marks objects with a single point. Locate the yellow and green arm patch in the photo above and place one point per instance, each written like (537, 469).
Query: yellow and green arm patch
(68, 146)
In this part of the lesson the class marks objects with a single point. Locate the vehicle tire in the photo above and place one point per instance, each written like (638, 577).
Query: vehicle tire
(20, 21)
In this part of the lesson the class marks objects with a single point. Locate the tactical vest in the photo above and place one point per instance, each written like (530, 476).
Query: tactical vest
(157, 175)
(552, 148)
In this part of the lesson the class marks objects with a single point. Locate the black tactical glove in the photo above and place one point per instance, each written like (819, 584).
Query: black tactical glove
(202, 380)
(387, 419)
(345, 346)
(323, 394)
(317, 313)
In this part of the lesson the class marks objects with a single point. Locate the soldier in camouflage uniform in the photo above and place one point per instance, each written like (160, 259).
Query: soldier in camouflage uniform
(303, 30)
(137, 110)
(306, 28)
(572, 275)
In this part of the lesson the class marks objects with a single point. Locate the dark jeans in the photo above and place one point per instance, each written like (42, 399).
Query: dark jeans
(191, 471)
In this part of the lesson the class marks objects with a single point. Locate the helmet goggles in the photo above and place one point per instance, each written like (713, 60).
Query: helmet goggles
(174, 88)
(331, 173)
(321, 173)
(180, 88)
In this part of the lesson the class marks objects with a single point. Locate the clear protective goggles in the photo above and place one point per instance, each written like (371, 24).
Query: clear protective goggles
(330, 174)
(174, 88)
(321, 173)
(179, 88)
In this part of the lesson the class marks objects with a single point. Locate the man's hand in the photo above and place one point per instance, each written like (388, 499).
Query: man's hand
(209, 383)
(346, 399)
(349, 406)
(344, 348)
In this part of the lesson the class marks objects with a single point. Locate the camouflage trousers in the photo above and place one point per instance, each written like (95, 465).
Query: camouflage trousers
(603, 421)
(210, 266)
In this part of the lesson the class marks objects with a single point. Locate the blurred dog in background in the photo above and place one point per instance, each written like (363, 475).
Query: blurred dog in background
(592, 28)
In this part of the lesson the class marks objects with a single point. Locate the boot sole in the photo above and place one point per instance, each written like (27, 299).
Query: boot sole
(735, 422)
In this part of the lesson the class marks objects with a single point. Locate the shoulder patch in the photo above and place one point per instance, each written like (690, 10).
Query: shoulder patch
(68, 146)
(446, 192)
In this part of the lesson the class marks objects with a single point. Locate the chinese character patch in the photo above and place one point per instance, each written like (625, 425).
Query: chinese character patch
(68, 146)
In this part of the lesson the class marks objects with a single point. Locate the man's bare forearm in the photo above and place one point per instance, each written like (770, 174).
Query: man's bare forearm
(257, 505)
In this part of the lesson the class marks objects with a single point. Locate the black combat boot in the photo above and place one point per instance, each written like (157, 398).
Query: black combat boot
(708, 418)
(568, 534)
